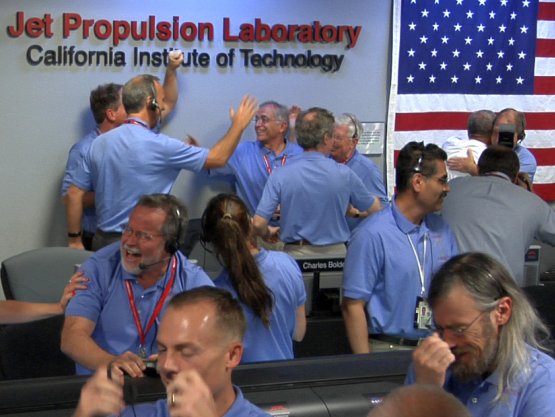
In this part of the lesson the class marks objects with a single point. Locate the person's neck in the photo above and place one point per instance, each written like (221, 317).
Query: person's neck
(486, 140)
(152, 274)
(277, 146)
(348, 157)
(409, 208)
(224, 399)
(105, 126)
(144, 116)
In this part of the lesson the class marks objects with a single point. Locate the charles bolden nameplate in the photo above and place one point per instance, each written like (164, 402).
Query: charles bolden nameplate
(320, 264)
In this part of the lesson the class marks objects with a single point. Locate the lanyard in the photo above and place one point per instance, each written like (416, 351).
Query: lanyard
(267, 162)
(421, 265)
(137, 122)
(130, 295)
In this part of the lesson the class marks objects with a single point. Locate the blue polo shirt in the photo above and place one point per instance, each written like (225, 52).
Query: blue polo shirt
(283, 277)
(251, 164)
(105, 301)
(74, 159)
(129, 161)
(382, 270)
(528, 396)
(241, 407)
(371, 177)
(314, 193)
(527, 161)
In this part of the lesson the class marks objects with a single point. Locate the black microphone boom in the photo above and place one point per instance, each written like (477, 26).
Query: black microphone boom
(143, 266)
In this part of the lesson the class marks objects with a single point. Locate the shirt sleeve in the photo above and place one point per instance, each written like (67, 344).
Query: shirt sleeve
(363, 264)
(270, 197)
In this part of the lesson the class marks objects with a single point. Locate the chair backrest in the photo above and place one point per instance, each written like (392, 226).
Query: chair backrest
(40, 275)
(541, 297)
(32, 350)
(206, 260)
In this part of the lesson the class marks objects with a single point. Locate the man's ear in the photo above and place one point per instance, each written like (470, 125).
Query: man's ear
(110, 114)
(417, 181)
(234, 354)
(503, 311)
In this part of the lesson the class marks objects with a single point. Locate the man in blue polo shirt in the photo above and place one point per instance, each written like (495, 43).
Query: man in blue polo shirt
(346, 134)
(115, 320)
(391, 256)
(313, 192)
(132, 160)
(109, 113)
(200, 342)
(486, 347)
(254, 161)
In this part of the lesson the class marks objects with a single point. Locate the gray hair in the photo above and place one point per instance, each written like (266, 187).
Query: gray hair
(281, 111)
(136, 91)
(312, 126)
(487, 281)
(354, 126)
(480, 123)
(177, 218)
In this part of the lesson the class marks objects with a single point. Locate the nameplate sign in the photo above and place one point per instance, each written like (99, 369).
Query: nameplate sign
(309, 265)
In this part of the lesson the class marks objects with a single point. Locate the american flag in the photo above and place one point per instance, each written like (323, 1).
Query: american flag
(452, 57)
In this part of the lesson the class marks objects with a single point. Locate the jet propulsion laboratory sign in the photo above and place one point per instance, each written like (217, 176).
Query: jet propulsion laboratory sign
(117, 33)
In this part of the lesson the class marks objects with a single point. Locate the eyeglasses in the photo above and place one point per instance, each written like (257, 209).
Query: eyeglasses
(442, 180)
(264, 120)
(140, 235)
(458, 331)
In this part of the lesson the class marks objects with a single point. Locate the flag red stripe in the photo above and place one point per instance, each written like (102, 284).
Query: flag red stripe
(544, 85)
(546, 11)
(544, 156)
(545, 191)
(406, 122)
(545, 48)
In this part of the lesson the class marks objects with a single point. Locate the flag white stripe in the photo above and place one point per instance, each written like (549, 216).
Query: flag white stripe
(545, 29)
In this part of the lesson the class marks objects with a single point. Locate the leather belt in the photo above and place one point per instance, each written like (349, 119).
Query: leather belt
(394, 340)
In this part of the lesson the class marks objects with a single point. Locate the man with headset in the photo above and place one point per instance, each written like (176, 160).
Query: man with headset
(346, 134)
(133, 159)
(115, 320)
(109, 113)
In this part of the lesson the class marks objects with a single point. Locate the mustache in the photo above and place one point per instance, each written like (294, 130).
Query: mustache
(131, 250)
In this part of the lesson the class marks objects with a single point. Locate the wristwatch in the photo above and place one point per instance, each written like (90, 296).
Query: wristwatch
(77, 234)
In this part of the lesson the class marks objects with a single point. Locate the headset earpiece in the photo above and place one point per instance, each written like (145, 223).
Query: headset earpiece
(172, 244)
(153, 105)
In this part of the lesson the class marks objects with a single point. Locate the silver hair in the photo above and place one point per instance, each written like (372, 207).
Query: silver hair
(487, 281)
(281, 112)
(354, 126)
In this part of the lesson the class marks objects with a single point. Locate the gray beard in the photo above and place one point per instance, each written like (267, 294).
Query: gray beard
(481, 364)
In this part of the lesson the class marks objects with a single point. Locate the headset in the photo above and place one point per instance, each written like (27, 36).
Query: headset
(355, 134)
(172, 245)
(153, 105)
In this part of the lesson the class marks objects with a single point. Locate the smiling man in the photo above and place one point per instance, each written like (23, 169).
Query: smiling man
(485, 350)
(254, 161)
(391, 257)
(115, 320)
(200, 343)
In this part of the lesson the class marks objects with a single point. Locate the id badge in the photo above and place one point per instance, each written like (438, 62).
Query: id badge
(142, 352)
(422, 314)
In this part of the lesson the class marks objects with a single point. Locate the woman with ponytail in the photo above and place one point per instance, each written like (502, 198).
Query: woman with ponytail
(268, 284)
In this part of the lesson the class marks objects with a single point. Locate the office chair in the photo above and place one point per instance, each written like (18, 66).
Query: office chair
(32, 350)
(40, 275)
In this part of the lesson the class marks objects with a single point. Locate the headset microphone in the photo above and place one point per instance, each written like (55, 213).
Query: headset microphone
(143, 266)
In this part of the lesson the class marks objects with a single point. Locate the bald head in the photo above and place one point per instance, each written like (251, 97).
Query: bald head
(420, 401)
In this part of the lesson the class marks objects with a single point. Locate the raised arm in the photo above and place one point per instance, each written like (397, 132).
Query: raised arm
(240, 119)
(171, 87)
